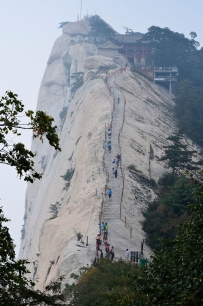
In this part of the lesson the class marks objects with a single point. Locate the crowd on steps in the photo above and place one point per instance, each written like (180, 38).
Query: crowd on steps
(103, 247)
(102, 237)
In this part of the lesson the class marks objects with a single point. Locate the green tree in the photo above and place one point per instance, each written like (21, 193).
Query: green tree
(177, 155)
(15, 288)
(165, 213)
(100, 29)
(174, 276)
(105, 283)
(15, 154)
(174, 49)
(189, 110)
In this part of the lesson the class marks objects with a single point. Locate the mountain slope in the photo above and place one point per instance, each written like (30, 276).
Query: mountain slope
(141, 122)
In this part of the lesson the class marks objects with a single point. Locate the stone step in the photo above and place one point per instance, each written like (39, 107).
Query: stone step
(110, 215)
(108, 219)
(111, 211)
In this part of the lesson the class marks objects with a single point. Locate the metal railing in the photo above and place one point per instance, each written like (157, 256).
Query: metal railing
(166, 69)
(168, 79)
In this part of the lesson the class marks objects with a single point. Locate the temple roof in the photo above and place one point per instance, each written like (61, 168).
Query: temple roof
(109, 45)
(129, 38)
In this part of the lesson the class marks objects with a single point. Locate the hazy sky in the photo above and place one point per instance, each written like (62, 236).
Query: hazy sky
(28, 30)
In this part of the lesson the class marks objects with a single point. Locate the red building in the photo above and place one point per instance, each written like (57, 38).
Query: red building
(133, 48)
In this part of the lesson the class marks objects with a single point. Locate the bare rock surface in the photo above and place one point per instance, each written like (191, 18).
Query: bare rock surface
(141, 118)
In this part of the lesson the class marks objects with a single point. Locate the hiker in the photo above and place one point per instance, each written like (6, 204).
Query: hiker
(110, 193)
(112, 253)
(115, 173)
(98, 241)
(114, 160)
(118, 156)
(107, 250)
(117, 162)
(109, 148)
(107, 145)
(127, 254)
(102, 227)
(105, 238)
(109, 133)
(106, 229)
(101, 255)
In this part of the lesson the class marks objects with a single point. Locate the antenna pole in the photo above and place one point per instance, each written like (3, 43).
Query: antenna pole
(80, 9)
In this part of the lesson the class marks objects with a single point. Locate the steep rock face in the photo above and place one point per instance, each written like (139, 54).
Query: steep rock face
(139, 112)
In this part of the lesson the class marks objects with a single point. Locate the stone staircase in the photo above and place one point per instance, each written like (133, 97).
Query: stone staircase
(111, 209)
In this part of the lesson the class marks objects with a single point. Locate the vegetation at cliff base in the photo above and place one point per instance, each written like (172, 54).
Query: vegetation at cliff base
(173, 276)
(164, 214)
(105, 283)
(15, 287)
(175, 193)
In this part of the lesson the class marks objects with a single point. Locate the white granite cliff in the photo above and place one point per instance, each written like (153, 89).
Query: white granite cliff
(141, 122)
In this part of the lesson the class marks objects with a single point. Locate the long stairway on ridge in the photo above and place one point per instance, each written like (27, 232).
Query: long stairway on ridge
(111, 210)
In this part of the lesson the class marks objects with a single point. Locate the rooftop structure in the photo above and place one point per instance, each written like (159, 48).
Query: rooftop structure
(166, 76)
(133, 48)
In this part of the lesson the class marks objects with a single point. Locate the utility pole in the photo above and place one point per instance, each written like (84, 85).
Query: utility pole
(80, 9)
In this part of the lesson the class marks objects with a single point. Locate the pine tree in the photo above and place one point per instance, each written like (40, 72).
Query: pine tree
(177, 154)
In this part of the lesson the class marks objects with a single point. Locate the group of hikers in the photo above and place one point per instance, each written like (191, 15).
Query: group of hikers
(102, 239)
(108, 143)
(116, 160)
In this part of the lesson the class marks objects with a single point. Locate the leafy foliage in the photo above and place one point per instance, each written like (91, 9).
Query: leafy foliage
(174, 49)
(189, 109)
(133, 168)
(15, 154)
(174, 277)
(62, 24)
(54, 209)
(100, 30)
(163, 215)
(77, 83)
(105, 283)
(177, 155)
(15, 288)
